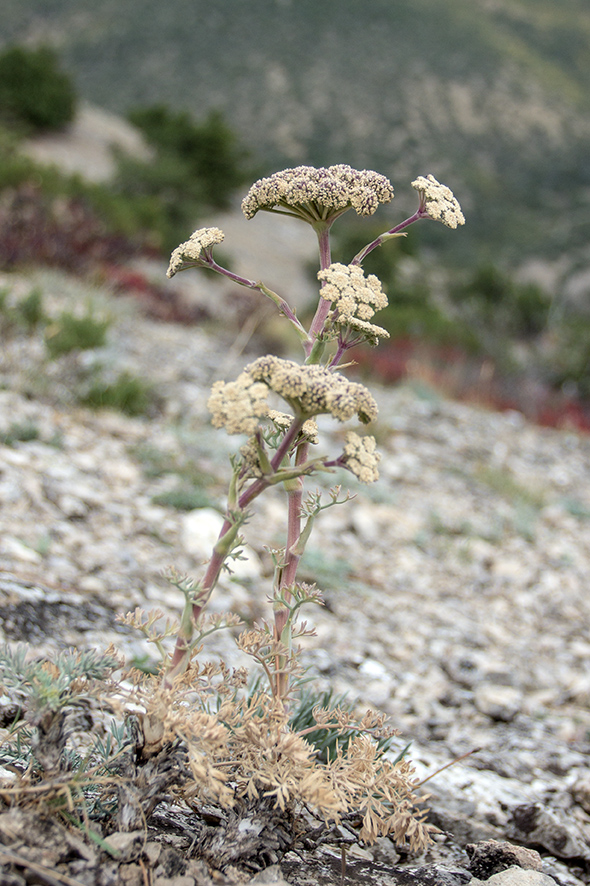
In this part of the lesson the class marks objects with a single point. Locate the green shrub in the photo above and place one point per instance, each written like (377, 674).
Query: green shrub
(196, 165)
(28, 312)
(502, 305)
(570, 364)
(204, 156)
(127, 394)
(19, 432)
(30, 309)
(72, 333)
(34, 91)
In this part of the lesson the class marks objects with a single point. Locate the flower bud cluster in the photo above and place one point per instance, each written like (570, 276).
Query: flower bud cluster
(438, 201)
(361, 457)
(192, 253)
(238, 405)
(314, 390)
(316, 194)
(355, 298)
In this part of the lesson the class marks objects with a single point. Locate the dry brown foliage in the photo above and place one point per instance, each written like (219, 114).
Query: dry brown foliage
(222, 753)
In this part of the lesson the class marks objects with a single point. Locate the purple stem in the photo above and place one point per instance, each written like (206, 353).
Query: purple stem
(357, 260)
(178, 660)
(252, 284)
(289, 570)
(341, 348)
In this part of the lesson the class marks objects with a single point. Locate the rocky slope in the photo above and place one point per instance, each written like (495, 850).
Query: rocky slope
(456, 588)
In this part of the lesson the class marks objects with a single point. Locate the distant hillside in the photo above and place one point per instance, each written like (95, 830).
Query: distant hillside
(492, 96)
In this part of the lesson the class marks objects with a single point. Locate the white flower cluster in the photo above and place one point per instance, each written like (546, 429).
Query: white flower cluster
(438, 201)
(313, 389)
(190, 253)
(238, 405)
(355, 298)
(361, 457)
(319, 193)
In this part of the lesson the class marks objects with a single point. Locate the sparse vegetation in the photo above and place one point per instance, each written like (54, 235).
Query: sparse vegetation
(304, 763)
(127, 393)
(73, 332)
(19, 432)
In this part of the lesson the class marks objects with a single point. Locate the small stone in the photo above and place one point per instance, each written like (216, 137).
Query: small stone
(128, 844)
(535, 824)
(131, 875)
(580, 791)
(489, 857)
(270, 876)
(92, 584)
(363, 520)
(516, 876)
(15, 548)
(72, 506)
(498, 702)
(6, 775)
(152, 852)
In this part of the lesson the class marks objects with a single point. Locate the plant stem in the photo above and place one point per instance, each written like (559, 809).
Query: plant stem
(289, 570)
(323, 308)
(358, 259)
(182, 649)
(282, 305)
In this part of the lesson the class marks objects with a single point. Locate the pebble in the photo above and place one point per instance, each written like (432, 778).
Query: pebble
(498, 702)
(516, 876)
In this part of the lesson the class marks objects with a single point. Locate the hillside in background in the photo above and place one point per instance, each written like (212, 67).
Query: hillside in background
(492, 96)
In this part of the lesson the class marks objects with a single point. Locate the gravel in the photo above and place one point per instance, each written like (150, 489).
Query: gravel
(456, 587)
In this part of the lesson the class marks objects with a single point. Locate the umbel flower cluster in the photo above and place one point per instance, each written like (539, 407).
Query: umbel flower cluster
(438, 201)
(354, 298)
(318, 194)
(277, 450)
(196, 251)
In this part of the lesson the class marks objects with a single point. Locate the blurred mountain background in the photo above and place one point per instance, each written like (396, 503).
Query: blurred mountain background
(491, 96)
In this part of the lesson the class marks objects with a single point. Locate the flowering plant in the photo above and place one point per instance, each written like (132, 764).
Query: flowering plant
(247, 766)
(278, 447)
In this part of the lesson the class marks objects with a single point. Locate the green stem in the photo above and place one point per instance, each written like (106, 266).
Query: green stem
(317, 324)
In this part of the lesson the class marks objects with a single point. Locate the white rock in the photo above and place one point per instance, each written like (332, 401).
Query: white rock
(200, 532)
(498, 702)
(15, 548)
(515, 876)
